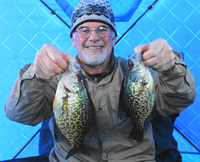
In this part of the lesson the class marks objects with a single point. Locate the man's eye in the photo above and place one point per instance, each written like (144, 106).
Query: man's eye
(84, 30)
(103, 29)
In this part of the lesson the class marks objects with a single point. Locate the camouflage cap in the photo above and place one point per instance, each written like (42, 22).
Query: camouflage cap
(92, 10)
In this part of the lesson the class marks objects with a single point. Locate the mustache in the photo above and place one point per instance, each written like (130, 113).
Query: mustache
(93, 45)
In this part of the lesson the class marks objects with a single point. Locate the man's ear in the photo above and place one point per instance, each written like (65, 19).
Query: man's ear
(114, 40)
(73, 42)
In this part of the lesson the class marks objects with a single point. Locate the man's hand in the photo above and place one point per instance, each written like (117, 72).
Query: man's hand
(49, 61)
(158, 55)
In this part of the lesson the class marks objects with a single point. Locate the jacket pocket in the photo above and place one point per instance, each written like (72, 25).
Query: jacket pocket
(114, 98)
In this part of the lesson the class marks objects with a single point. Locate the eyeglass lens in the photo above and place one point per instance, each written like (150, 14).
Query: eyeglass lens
(101, 31)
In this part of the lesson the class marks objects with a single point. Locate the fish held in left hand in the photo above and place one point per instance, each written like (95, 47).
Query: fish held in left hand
(137, 97)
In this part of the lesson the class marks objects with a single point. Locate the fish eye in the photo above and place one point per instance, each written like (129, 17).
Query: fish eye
(143, 82)
(130, 64)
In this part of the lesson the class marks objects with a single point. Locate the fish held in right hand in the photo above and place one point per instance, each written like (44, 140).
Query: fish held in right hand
(73, 111)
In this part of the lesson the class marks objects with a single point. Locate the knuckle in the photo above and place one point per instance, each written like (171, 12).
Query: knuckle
(45, 46)
(53, 50)
(57, 60)
(136, 49)
(38, 53)
(51, 74)
(157, 59)
(54, 69)
(51, 66)
(48, 48)
(162, 40)
(152, 53)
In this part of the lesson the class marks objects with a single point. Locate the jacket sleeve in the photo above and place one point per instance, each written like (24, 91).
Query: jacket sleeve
(175, 88)
(30, 100)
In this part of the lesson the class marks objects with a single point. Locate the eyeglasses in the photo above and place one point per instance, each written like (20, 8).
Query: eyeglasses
(102, 32)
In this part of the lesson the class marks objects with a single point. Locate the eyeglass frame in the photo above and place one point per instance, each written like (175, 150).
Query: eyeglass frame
(90, 31)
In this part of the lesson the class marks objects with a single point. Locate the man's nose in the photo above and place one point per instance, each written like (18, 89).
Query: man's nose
(94, 36)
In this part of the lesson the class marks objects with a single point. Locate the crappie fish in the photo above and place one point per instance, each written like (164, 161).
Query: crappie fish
(73, 111)
(137, 96)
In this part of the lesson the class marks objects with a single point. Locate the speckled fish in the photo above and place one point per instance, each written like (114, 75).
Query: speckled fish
(73, 111)
(137, 96)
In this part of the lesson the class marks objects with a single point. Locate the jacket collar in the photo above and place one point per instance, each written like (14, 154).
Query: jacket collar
(98, 77)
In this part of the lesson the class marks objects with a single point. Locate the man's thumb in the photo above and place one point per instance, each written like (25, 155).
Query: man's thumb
(68, 57)
(141, 48)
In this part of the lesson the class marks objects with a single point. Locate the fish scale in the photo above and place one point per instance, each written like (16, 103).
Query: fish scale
(137, 96)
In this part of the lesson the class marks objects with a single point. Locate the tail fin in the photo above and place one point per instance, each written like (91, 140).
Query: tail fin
(77, 150)
(136, 134)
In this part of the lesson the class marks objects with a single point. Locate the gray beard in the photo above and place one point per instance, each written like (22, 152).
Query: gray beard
(95, 60)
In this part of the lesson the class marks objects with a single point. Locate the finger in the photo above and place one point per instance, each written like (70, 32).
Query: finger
(39, 69)
(165, 64)
(155, 48)
(158, 50)
(153, 58)
(56, 56)
(39, 73)
(49, 67)
(68, 57)
(164, 67)
(165, 59)
(141, 48)
(41, 65)
(148, 51)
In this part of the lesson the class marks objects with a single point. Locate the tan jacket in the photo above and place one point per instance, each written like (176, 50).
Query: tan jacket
(30, 101)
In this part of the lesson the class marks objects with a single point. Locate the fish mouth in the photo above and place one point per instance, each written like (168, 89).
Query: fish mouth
(134, 57)
(130, 64)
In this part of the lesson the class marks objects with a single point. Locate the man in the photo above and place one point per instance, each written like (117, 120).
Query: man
(93, 33)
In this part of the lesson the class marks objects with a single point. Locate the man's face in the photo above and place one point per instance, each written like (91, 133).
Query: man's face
(93, 50)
